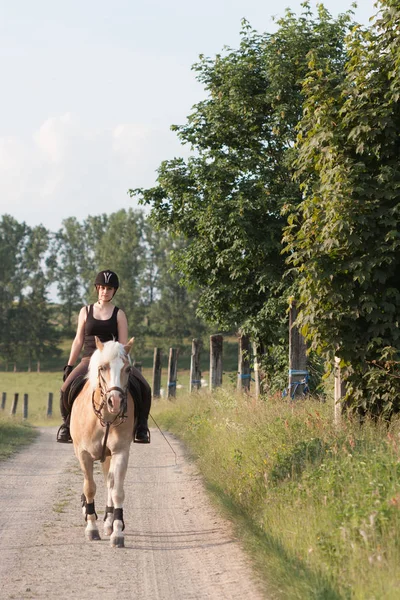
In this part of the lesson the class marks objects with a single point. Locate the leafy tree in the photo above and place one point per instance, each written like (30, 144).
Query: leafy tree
(40, 337)
(172, 313)
(345, 237)
(227, 198)
(70, 247)
(94, 228)
(27, 330)
(12, 239)
(121, 248)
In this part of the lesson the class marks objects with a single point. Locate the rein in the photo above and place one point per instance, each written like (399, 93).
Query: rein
(121, 416)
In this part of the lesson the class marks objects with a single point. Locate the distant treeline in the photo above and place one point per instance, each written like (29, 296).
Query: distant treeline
(34, 262)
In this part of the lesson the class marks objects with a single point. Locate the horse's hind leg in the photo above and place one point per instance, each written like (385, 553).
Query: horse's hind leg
(89, 491)
(115, 482)
(109, 511)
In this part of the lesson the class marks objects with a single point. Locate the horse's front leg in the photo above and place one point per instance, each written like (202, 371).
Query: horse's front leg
(109, 511)
(115, 483)
(89, 491)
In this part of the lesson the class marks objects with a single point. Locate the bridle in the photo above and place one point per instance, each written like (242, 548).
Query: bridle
(104, 393)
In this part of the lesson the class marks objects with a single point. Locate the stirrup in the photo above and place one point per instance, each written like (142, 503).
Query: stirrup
(63, 435)
(142, 435)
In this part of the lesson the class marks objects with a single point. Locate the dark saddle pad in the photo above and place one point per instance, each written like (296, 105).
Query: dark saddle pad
(74, 389)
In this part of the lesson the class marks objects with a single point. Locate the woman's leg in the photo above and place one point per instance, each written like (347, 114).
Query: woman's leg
(141, 393)
(63, 434)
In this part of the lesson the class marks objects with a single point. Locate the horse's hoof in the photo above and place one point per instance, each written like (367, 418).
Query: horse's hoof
(117, 542)
(93, 535)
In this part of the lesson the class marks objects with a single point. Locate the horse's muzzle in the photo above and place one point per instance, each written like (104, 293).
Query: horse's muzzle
(115, 400)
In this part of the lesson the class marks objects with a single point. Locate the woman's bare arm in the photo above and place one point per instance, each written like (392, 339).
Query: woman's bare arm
(122, 323)
(77, 344)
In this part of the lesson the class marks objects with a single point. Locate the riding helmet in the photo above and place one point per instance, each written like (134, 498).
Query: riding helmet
(107, 278)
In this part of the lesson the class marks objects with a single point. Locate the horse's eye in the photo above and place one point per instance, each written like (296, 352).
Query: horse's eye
(127, 370)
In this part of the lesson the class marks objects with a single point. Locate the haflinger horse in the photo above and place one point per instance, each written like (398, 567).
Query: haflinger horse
(102, 421)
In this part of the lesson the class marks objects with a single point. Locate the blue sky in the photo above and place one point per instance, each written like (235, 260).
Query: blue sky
(90, 89)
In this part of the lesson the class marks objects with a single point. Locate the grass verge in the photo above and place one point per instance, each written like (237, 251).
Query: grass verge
(318, 507)
(14, 435)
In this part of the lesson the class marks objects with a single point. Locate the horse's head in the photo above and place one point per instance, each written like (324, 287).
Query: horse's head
(109, 370)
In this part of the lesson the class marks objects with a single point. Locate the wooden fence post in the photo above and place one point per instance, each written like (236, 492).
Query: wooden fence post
(297, 355)
(195, 373)
(3, 400)
(25, 408)
(50, 404)
(172, 372)
(244, 371)
(157, 367)
(256, 371)
(215, 361)
(340, 392)
(14, 404)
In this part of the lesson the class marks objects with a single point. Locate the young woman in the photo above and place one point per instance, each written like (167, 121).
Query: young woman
(108, 322)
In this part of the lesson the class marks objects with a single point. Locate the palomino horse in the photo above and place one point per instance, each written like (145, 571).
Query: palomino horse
(102, 421)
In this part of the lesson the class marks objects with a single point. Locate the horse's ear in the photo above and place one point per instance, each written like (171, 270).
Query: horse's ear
(99, 343)
(129, 345)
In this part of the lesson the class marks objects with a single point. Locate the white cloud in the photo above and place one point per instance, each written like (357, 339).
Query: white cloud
(52, 138)
(66, 169)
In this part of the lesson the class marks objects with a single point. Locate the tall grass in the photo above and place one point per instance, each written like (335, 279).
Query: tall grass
(319, 505)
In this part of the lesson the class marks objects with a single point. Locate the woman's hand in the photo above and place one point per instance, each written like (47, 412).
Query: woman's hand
(67, 370)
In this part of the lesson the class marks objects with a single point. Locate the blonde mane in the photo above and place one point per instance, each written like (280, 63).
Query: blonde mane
(111, 351)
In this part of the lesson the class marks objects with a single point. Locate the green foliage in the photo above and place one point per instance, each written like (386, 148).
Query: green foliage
(227, 198)
(25, 275)
(72, 254)
(344, 237)
(172, 313)
(33, 259)
(322, 503)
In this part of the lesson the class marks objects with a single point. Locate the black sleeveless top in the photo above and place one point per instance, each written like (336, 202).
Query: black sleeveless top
(105, 330)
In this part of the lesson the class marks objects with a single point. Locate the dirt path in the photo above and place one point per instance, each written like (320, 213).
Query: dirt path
(176, 545)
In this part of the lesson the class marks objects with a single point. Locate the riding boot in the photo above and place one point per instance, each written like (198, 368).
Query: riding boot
(142, 432)
(142, 401)
(63, 434)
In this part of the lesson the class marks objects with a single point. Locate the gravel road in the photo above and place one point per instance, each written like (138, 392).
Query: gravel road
(176, 545)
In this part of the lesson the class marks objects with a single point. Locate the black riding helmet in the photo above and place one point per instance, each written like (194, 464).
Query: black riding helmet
(107, 278)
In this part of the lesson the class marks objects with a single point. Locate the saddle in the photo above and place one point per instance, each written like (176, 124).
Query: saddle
(74, 389)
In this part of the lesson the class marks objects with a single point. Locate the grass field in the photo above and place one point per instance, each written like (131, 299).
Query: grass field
(39, 385)
(142, 352)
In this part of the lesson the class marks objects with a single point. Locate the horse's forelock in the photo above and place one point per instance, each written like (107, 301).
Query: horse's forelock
(110, 352)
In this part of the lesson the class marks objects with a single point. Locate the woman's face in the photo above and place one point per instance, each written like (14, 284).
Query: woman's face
(105, 292)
